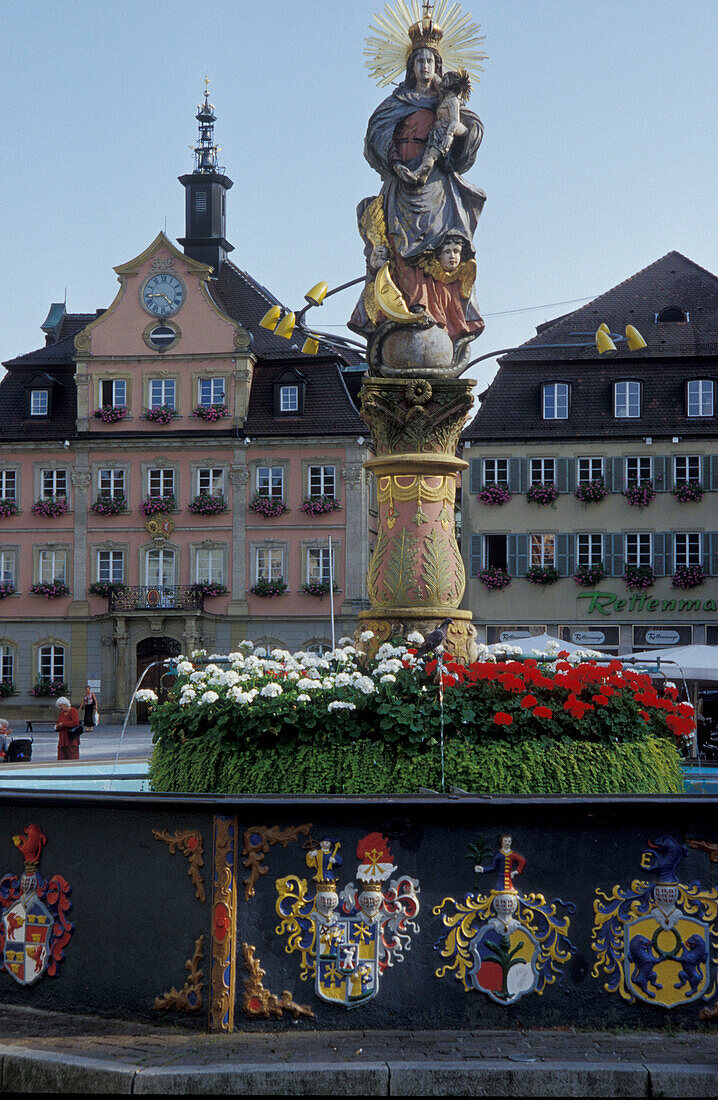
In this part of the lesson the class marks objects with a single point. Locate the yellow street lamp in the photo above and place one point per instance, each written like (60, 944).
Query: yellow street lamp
(271, 318)
(285, 328)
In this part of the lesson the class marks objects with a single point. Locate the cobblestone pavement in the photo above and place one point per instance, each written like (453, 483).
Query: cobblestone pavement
(43, 1051)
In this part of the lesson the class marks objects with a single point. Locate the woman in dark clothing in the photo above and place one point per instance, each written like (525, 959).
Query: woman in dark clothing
(69, 729)
(90, 705)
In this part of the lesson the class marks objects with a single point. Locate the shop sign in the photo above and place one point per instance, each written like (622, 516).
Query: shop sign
(510, 632)
(588, 637)
(608, 603)
(661, 636)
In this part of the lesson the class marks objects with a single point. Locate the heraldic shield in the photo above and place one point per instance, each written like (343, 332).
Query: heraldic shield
(34, 929)
(657, 942)
(347, 942)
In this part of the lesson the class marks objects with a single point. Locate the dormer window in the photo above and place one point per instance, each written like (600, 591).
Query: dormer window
(672, 315)
(554, 400)
(627, 400)
(699, 397)
(289, 390)
(288, 399)
(39, 402)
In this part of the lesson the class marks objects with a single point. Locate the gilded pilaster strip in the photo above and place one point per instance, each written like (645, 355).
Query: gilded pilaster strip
(224, 925)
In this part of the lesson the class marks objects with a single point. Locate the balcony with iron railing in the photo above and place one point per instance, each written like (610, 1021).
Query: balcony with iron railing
(168, 597)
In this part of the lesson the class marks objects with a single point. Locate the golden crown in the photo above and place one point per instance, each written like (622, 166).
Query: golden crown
(426, 32)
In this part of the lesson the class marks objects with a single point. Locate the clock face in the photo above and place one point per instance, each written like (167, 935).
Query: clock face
(163, 295)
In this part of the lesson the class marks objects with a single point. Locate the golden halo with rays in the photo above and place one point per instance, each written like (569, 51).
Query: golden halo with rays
(442, 25)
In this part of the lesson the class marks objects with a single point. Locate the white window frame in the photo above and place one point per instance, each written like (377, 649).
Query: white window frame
(627, 396)
(687, 548)
(53, 484)
(211, 397)
(111, 484)
(52, 657)
(210, 480)
(542, 549)
(691, 469)
(158, 480)
(586, 545)
(542, 471)
(274, 480)
(322, 481)
(702, 400)
(268, 563)
(111, 566)
(638, 548)
(593, 464)
(51, 565)
(317, 562)
(8, 567)
(7, 663)
(493, 468)
(209, 565)
(641, 461)
(118, 392)
(162, 553)
(39, 402)
(163, 392)
(289, 398)
(557, 407)
(8, 485)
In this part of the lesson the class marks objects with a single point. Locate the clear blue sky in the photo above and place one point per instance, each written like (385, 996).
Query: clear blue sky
(600, 151)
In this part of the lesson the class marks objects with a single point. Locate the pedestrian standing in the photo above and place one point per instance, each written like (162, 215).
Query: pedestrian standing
(69, 729)
(89, 703)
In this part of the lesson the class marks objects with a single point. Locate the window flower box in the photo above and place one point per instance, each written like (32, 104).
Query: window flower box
(51, 590)
(640, 493)
(688, 491)
(46, 688)
(8, 508)
(317, 588)
(542, 574)
(207, 589)
(161, 414)
(211, 412)
(586, 576)
(111, 414)
(688, 576)
(158, 506)
(51, 506)
(110, 506)
(106, 588)
(267, 506)
(591, 492)
(320, 505)
(207, 505)
(638, 576)
(495, 579)
(7, 688)
(6, 589)
(269, 589)
(495, 494)
(542, 492)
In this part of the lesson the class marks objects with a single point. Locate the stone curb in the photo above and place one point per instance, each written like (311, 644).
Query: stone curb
(26, 1070)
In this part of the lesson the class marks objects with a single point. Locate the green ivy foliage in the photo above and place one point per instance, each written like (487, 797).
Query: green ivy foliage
(490, 766)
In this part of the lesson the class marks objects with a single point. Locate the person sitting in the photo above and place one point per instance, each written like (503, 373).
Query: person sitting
(5, 738)
(69, 729)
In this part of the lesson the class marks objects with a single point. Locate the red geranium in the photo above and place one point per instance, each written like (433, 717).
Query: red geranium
(501, 718)
(543, 712)
(529, 701)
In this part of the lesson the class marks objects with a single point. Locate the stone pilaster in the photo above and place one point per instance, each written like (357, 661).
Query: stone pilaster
(356, 511)
(239, 476)
(81, 479)
(416, 575)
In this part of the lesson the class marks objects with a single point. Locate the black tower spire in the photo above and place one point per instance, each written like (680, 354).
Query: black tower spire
(206, 195)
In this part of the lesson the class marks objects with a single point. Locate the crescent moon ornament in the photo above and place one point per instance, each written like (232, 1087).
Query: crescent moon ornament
(391, 301)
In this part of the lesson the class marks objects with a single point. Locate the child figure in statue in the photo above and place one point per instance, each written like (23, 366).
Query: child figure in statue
(454, 89)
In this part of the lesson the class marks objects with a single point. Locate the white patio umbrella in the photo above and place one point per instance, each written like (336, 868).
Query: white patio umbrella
(695, 662)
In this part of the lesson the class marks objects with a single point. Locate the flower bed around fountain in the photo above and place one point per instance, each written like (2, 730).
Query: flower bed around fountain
(300, 723)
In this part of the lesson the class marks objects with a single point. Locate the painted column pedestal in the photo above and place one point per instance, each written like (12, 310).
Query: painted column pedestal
(416, 574)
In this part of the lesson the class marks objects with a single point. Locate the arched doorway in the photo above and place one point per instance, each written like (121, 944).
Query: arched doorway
(149, 652)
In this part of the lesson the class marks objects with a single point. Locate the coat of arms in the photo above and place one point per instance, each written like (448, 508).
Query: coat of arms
(504, 944)
(656, 941)
(347, 941)
(34, 929)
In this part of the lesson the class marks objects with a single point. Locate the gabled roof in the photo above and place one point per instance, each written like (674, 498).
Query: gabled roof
(676, 352)
(328, 407)
(246, 301)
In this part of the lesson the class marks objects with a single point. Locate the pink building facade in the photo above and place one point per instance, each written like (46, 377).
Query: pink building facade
(172, 476)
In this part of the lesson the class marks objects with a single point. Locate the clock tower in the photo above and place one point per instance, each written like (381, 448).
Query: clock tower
(206, 196)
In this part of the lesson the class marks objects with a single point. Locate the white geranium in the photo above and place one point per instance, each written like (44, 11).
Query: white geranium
(209, 697)
(366, 685)
(388, 678)
(346, 642)
(198, 653)
(393, 664)
(271, 691)
(231, 678)
(145, 695)
(304, 698)
(415, 638)
(185, 668)
(242, 697)
(366, 636)
(306, 684)
(342, 679)
(337, 704)
(197, 677)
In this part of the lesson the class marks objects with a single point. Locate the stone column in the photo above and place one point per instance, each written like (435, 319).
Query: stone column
(416, 576)
(80, 478)
(239, 476)
(356, 532)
